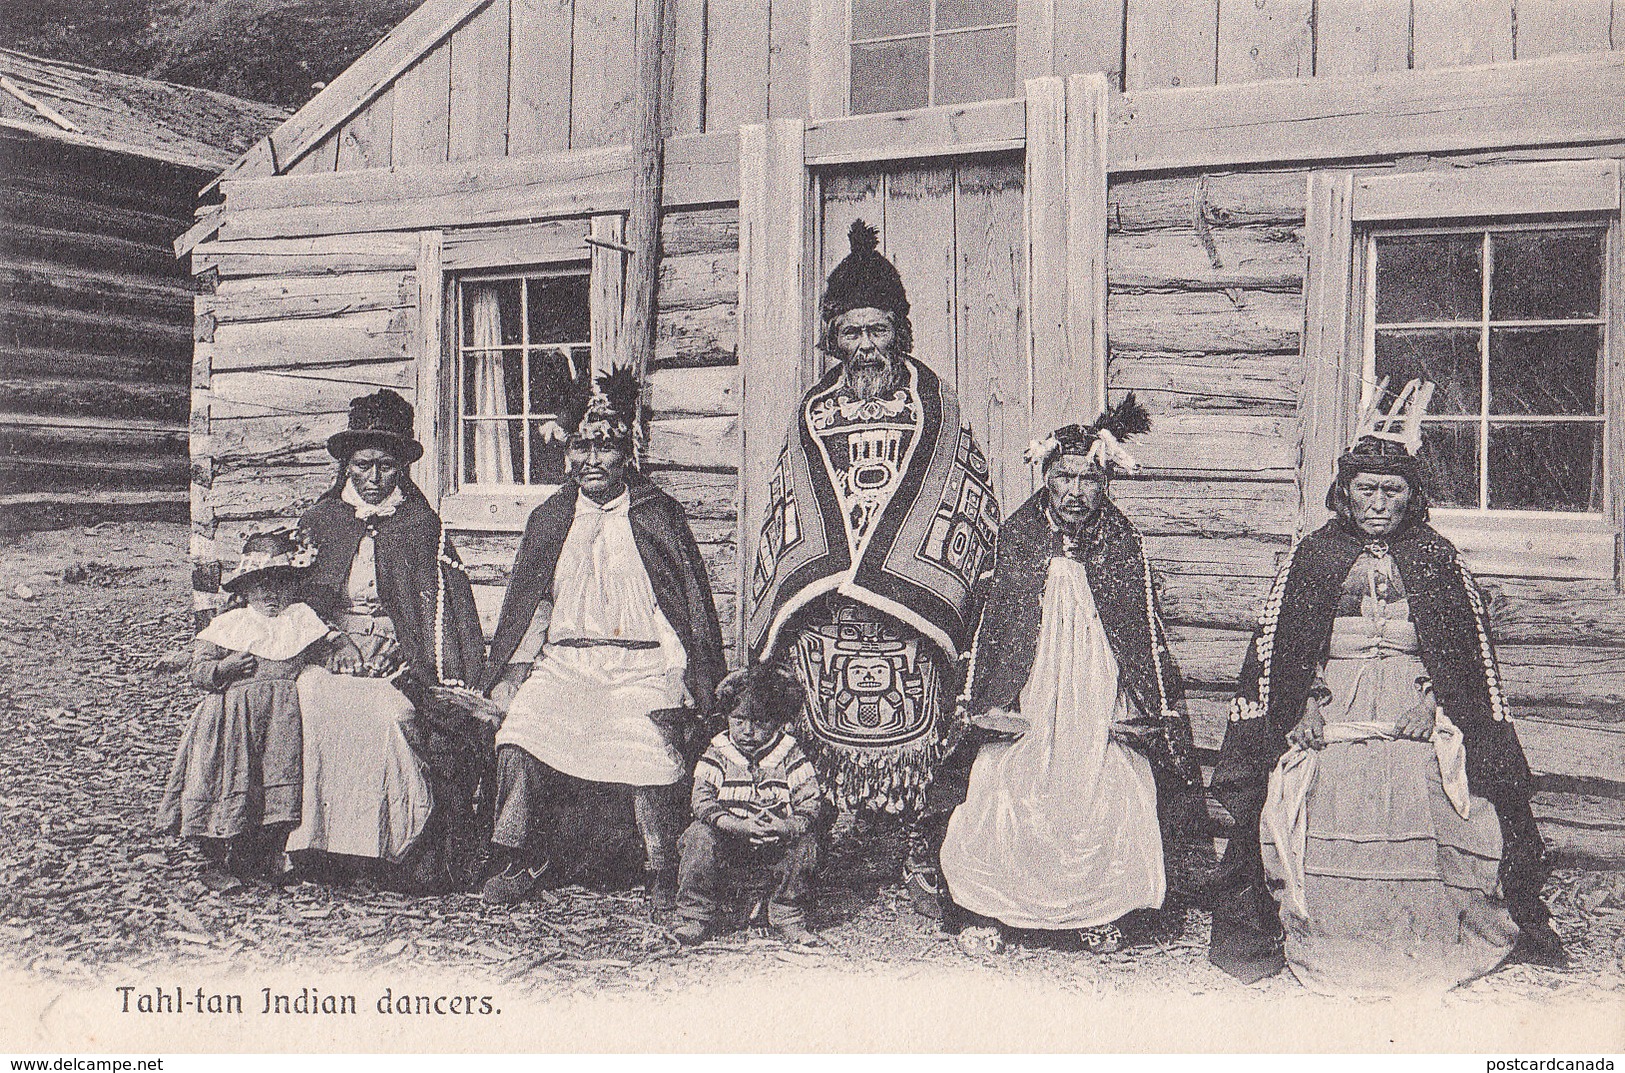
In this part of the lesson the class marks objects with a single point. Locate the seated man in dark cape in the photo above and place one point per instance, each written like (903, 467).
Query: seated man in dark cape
(1062, 827)
(606, 656)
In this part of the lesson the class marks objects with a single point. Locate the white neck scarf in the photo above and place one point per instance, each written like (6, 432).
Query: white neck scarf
(365, 510)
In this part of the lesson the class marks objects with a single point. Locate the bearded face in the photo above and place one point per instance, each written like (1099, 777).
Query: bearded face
(866, 342)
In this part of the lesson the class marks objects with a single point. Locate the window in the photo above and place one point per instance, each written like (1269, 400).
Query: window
(523, 354)
(916, 53)
(1508, 321)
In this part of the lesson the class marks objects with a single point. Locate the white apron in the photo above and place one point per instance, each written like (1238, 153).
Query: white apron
(1059, 828)
(585, 710)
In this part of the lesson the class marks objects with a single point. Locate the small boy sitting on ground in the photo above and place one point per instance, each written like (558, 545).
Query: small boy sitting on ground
(756, 797)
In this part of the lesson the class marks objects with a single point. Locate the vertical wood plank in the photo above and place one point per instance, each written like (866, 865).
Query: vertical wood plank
(1171, 43)
(1551, 27)
(992, 322)
(1359, 37)
(848, 196)
(479, 86)
(919, 240)
(366, 141)
(423, 110)
(601, 73)
(1045, 195)
(789, 24)
(1266, 39)
(1089, 38)
(688, 68)
(1614, 459)
(435, 411)
(1081, 382)
(772, 316)
(539, 76)
(320, 160)
(1454, 33)
(736, 66)
(606, 289)
(1035, 38)
(829, 38)
(1330, 364)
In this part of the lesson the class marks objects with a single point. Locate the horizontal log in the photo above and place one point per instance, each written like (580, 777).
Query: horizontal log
(1208, 658)
(263, 492)
(1269, 259)
(28, 323)
(53, 432)
(1224, 557)
(80, 285)
(88, 397)
(505, 245)
(1573, 749)
(70, 213)
(238, 301)
(1219, 445)
(703, 495)
(1563, 674)
(1211, 601)
(1543, 548)
(382, 335)
(1553, 101)
(284, 439)
(167, 361)
(323, 255)
(697, 392)
(89, 249)
(325, 391)
(30, 471)
(1225, 199)
(982, 127)
(699, 169)
(1205, 322)
(1240, 383)
(708, 230)
(1582, 829)
(699, 280)
(1528, 611)
(694, 337)
(695, 442)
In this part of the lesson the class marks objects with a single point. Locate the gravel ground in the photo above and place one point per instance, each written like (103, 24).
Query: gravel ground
(95, 629)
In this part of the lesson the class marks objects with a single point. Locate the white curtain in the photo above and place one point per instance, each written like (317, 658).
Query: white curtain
(493, 454)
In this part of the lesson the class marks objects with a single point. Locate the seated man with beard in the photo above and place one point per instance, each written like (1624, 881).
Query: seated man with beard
(880, 520)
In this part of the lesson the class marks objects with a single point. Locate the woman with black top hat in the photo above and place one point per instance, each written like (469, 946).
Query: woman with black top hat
(380, 752)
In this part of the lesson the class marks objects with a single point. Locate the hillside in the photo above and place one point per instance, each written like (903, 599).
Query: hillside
(276, 51)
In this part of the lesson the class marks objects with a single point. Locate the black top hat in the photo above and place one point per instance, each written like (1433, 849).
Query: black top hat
(864, 279)
(382, 421)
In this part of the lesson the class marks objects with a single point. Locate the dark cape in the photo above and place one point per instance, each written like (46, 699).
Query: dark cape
(1121, 582)
(1453, 634)
(426, 594)
(670, 555)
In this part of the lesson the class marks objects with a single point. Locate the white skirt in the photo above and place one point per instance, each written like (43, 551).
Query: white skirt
(1059, 828)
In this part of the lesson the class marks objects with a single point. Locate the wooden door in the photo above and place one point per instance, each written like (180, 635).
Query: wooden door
(955, 230)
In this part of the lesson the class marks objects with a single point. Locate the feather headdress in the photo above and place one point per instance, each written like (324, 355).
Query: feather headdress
(613, 412)
(1101, 443)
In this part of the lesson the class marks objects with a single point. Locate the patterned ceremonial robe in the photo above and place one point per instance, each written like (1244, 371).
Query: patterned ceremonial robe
(1453, 636)
(880, 521)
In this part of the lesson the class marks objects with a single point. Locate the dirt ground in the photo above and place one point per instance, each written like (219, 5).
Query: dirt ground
(95, 629)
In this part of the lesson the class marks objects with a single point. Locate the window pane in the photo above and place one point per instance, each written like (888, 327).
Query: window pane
(493, 384)
(1429, 277)
(887, 18)
(1449, 459)
(952, 14)
(1546, 466)
(1546, 370)
(558, 310)
(888, 77)
(491, 313)
(1546, 275)
(546, 453)
(976, 66)
(1448, 357)
(556, 375)
(493, 452)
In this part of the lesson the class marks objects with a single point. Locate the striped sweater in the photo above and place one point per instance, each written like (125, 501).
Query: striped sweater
(780, 780)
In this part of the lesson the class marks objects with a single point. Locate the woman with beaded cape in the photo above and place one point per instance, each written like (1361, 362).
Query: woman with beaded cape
(1384, 840)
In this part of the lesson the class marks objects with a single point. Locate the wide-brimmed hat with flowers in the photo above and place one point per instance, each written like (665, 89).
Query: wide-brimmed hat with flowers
(268, 555)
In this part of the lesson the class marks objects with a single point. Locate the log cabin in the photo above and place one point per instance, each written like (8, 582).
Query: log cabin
(1246, 211)
(98, 172)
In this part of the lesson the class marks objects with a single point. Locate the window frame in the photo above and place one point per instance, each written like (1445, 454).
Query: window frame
(1344, 207)
(445, 259)
(930, 35)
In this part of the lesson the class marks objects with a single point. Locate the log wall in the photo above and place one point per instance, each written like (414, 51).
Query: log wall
(97, 341)
(291, 330)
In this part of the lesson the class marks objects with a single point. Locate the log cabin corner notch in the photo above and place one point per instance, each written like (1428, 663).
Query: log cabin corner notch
(1130, 210)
